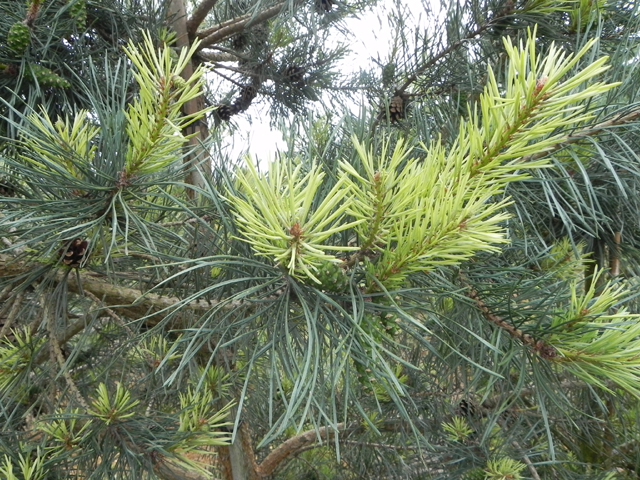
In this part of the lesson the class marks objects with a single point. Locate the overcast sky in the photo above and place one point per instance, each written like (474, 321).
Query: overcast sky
(370, 39)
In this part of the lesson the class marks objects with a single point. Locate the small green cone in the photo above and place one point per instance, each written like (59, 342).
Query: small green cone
(48, 78)
(19, 37)
(178, 81)
(388, 74)
(78, 11)
(332, 277)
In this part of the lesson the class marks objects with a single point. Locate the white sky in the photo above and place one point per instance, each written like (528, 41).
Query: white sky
(370, 39)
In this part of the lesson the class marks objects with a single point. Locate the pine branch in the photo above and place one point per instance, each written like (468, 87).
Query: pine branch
(70, 332)
(127, 301)
(584, 133)
(435, 59)
(217, 57)
(541, 347)
(294, 444)
(111, 313)
(198, 15)
(506, 12)
(224, 30)
(319, 437)
(527, 461)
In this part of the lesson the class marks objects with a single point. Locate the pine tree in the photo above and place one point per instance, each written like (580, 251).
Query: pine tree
(440, 287)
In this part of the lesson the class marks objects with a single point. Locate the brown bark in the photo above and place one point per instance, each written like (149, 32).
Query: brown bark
(224, 457)
(224, 30)
(293, 445)
(198, 16)
(614, 255)
(198, 130)
(128, 301)
(242, 457)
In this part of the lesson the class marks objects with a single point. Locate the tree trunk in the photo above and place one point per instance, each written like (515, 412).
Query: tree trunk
(238, 460)
(198, 155)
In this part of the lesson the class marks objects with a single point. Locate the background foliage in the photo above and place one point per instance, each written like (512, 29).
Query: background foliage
(437, 281)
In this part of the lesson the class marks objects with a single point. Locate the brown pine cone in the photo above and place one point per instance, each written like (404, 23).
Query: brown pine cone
(74, 253)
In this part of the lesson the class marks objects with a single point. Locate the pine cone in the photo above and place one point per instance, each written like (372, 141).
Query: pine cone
(239, 42)
(225, 112)
(388, 74)
(323, 6)
(74, 253)
(332, 277)
(48, 78)
(19, 37)
(295, 74)
(467, 409)
(396, 108)
(243, 101)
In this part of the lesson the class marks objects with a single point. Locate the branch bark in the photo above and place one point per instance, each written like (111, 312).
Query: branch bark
(198, 16)
(224, 30)
(128, 301)
(544, 349)
(294, 444)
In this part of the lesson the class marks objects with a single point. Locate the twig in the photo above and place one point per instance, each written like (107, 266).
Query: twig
(614, 255)
(6, 293)
(13, 313)
(582, 134)
(111, 313)
(544, 349)
(525, 458)
(433, 60)
(228, 79)
(70, 332)
(381, 445)
(56, 352)
(504, 13)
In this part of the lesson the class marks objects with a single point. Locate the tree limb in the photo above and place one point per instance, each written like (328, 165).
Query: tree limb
(198, 15)
(223, 30)
(527, 461)
(128, 301)
(292, 445)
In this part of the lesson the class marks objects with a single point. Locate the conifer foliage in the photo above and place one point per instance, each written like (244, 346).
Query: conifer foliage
(442, 286)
